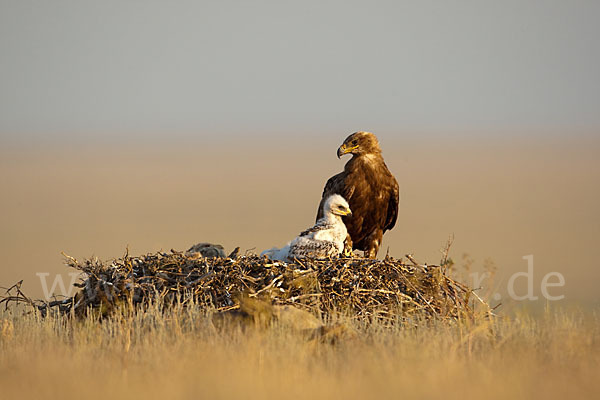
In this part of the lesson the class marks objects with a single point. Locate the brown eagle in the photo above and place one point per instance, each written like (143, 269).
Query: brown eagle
(370, 189)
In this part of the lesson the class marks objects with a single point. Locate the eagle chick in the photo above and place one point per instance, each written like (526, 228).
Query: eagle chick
(324, 239)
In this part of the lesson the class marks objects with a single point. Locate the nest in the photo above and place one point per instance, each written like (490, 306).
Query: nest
(357, 287)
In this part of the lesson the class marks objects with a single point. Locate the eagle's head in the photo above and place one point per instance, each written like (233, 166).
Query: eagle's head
(360, 143)
(336, 205)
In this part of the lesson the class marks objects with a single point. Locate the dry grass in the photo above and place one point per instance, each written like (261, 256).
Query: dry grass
(180, 354)
(195, 345)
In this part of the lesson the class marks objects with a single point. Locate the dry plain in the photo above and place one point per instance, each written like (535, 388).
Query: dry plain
(501, 199)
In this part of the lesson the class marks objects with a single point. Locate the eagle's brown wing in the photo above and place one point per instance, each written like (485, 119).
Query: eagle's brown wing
(392, 210)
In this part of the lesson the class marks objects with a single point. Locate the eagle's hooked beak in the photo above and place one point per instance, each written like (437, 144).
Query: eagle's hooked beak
(343, 149)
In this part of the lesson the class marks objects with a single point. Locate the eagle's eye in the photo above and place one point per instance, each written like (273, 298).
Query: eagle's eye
(354, 142)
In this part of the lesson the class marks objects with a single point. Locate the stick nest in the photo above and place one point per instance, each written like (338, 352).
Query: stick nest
(360, 288)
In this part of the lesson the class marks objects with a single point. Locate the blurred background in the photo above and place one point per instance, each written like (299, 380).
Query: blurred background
(155, 125)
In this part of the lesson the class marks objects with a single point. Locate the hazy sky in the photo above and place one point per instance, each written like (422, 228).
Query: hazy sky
(124, 67)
